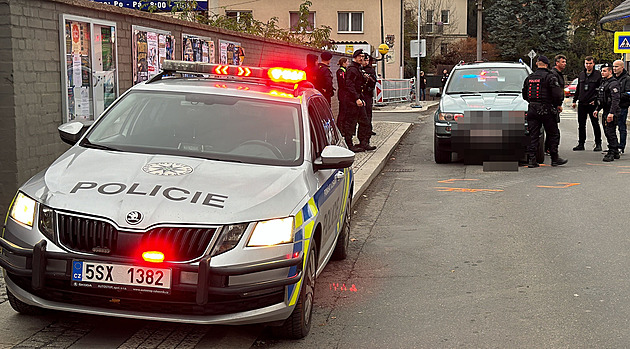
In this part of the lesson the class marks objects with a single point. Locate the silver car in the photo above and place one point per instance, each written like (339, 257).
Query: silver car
(210, 194)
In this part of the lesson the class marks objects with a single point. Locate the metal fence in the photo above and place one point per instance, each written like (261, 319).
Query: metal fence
(392, 90)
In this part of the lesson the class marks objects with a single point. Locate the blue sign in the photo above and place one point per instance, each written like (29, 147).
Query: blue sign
(77, 270)
(160, 5)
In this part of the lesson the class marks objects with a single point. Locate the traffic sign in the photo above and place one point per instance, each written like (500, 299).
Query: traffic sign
(532, 54)
(622, 42)
(415, 49)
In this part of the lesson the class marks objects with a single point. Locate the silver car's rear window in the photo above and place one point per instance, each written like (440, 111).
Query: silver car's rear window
(215, 127)
(487, 80)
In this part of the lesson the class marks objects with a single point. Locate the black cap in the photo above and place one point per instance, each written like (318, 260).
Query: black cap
(543, 59)
(326, 56)
(357, 53)
(607, 65)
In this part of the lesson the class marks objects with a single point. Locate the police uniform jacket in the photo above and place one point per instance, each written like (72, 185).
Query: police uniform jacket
(608, 97)
(354, 82)
(586, 90)
(370, 81)
(542, 88)
(560, 78)
(324, 81)
(624, 88)
(341, 83)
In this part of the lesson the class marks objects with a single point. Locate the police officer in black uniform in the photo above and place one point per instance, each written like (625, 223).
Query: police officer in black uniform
(355, 106)
(369, 73)
(608, 96)
(543, 92)
(585, 98)
(325, 78)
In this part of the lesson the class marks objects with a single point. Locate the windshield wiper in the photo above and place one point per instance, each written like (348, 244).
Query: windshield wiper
(86, 143)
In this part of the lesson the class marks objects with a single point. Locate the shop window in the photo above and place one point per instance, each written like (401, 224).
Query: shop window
(90, 66)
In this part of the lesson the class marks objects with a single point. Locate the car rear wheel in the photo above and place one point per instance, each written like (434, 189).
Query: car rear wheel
(298, 324)
(441, 156)
(22, 307)
(341, 249)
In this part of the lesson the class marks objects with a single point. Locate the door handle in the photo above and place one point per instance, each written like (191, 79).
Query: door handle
(340, 175)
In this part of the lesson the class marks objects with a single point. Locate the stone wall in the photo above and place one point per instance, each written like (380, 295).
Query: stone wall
(30, 73)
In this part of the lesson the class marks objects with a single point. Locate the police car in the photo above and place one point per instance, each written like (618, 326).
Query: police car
(210, 194)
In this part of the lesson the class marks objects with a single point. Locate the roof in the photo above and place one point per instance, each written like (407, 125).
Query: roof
(619, 12)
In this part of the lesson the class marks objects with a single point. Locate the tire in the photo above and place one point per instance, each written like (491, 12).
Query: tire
(341, 248)
(21, 307)
(441, 156)
(540, 155)
(298, 324)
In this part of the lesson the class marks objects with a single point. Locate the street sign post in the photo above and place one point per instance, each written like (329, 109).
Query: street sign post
(531, 55)
(622, 42)
(416, 49)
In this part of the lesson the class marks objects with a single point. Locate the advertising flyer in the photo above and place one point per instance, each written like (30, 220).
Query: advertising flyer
(197, 49)
(230, 53)
(141, 57)
(149, 48)
(162, 48)
(152, 54)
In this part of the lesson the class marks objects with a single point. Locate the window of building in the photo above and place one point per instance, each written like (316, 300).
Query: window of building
(236, 14)
(89, 60)
(350, 22)
(446, 16)
(294, 18)
(429, 22)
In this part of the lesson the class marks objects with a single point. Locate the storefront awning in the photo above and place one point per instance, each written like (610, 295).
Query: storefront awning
(619, 12)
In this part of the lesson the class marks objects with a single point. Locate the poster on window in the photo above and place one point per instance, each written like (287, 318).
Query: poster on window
(197, 49)
(78, 67)
(231, 53)
(149, 47)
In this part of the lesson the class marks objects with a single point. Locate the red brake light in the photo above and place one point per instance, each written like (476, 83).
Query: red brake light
(153, 256)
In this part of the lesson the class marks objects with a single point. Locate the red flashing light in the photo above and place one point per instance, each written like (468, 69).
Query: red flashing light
(221, 69)
(153, 256)
(280, 94)
(286, 75)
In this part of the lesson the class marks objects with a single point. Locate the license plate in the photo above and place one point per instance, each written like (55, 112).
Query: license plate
(121, 277)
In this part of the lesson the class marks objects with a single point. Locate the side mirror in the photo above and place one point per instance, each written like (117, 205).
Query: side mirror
(334, 157)
(71, 132)
(435, 92)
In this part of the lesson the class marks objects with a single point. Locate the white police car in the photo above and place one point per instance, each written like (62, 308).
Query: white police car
(210, 194)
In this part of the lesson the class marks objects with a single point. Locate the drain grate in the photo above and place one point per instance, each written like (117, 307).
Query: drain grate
(399, 170)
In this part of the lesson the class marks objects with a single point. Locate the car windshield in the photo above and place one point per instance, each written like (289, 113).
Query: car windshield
(200, 125)
(486, 80)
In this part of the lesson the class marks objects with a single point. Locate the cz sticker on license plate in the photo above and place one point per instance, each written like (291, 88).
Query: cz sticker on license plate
(121, 277)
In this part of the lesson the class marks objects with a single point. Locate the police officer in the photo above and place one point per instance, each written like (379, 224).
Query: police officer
(608, 102)
(585, 98)
(560, 64)
(368, 89)
(624, 102)
(341, 92)
(543, 92)
(324, 77)
(355, 106)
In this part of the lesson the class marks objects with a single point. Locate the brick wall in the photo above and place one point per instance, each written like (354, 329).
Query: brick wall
(30, 73)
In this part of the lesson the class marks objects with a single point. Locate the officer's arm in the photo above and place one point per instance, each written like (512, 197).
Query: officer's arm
(625, 88)
(524, 91)
(351, 76)
(557, 95)
(615, 96)
(578, 88)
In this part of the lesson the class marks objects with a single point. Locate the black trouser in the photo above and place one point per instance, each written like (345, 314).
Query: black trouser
(610, 130)
(585, 110)
(341, 117)
(547, 139)
(534, 123)
(356, 115)
(368, 109)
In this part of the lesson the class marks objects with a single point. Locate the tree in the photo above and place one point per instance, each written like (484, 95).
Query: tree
(466, 50)
(518, 26)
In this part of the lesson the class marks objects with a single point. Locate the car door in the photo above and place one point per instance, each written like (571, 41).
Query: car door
(331, 183)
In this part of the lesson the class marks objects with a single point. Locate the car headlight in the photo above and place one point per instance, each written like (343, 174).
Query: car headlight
(23, 210)
(229, 238)
(449, 116)
(272, 232)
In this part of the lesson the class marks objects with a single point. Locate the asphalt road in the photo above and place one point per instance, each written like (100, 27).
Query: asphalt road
(441, 256)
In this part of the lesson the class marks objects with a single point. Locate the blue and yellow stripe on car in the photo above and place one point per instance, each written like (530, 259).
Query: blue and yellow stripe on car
(305, 224)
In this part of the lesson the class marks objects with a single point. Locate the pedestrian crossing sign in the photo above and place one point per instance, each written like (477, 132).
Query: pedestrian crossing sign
(622, 42)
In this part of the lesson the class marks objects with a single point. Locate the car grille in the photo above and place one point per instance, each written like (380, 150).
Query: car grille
(87, 235)
(95, 236)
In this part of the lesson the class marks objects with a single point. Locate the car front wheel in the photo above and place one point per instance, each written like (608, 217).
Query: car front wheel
(441, 156)
(21, 307)
(341, 249)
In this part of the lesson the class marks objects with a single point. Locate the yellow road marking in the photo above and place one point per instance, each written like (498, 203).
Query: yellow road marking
(566, 185)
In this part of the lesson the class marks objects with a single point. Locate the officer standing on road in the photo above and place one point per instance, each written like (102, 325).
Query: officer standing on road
(560, 64)
(311, 69)
(543, 92)
(585, 97)
(355, 106)
(608, 101)
(624, 102)
(368, 89)
(324, 77)
(341, 92)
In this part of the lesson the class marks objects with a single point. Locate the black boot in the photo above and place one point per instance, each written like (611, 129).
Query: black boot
(610, 156)
(556, 160)
(598, 147)
(616, 154)
(531, 161)
(367, 146)
(580, 146)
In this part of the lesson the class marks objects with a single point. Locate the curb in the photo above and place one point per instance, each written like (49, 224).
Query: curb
(364, 175)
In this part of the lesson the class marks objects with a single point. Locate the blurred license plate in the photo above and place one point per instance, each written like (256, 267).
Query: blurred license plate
(120, 277)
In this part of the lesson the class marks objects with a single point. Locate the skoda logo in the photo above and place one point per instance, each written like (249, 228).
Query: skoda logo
(134, 217)
(167, 169)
